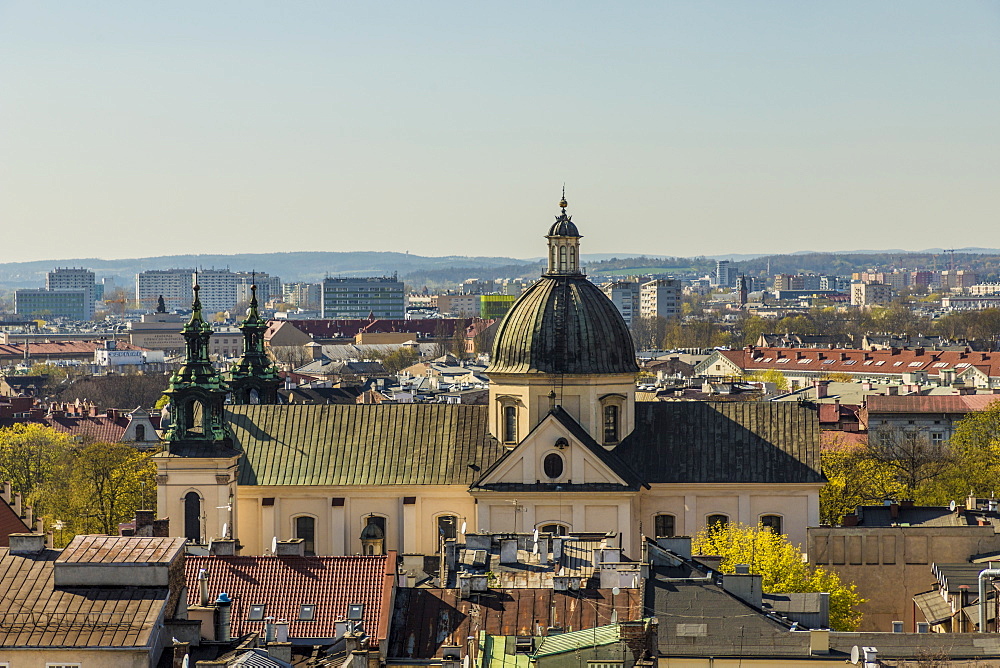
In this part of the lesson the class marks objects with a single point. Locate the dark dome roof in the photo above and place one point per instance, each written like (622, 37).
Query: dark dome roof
(563, 227)
(372, 531)
(563, 324)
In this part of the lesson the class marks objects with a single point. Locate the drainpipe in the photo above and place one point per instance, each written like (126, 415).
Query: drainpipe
(983, 575)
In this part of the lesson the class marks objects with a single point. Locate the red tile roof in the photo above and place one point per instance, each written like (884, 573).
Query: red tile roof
(942, 403)
(10, 523)
(59, 349)
(283, 584)
(860, 362)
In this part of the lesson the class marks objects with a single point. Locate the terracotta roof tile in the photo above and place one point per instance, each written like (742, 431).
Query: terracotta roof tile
(941, 403)
(283, 584)
(860, 362)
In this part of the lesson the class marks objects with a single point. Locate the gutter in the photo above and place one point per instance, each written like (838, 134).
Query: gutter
(983, 575)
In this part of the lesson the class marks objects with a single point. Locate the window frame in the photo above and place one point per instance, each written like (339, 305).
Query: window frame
(717, 518)
(673, 525)
(781, 522)
(305, 541)
(553, 455)
(543, 527)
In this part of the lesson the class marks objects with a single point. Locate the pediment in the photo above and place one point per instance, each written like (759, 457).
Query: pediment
(581, 460)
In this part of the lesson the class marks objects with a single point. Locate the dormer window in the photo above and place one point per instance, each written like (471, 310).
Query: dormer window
(611, 418)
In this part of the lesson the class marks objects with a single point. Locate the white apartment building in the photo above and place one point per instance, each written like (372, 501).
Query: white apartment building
(218, 288)
(268, 287)
(625, 296)
(661, 297)
(870, 294)
(74, 279)
(303, 295)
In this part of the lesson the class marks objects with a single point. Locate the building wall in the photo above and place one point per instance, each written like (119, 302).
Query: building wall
(40, 302)
(625, 296)
(74, 279)
(660, 298)
(892, 564)
(43, 657)
(344, 298)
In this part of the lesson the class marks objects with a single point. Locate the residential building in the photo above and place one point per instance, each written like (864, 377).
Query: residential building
(931, 418)
(897, 280)
(158, 331)
(268, 287)
(74, 279)
(957, 279)
(870, 294)
(103, 601)
(625, 296)
(380, 297)
(984, 289)
(660, 298)
(460, 305)
(47, 304)
(302, 295)
(970, 303)
(561, 430)
(218, 288)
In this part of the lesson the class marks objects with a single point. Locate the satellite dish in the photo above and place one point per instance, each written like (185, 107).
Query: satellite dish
(534, 548)
(616, 591)
(463, 528)
(225, 529)
(952, 506)
(186, 662)
(534, 535)
(274, 544)
(855, 655)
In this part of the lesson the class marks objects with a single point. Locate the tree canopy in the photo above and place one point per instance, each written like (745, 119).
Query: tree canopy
(781, 566)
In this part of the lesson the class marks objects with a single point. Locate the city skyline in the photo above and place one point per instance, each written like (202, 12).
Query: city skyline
(777, 127)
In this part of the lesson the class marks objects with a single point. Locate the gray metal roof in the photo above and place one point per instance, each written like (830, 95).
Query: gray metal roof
(563, 325)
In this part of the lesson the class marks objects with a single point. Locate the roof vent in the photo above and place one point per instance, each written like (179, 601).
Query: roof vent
(27, 543)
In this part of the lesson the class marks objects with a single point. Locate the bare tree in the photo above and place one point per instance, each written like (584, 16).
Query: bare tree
(910, 454)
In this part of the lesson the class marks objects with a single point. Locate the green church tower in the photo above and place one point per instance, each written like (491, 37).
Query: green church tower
(253, 378)
(197, 392)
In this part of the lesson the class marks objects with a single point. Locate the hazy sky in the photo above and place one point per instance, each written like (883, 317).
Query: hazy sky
(135, 128)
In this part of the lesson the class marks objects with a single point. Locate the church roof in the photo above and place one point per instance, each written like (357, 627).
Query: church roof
(441, 444)
(563, 324)
(386, 444)
(724, 442)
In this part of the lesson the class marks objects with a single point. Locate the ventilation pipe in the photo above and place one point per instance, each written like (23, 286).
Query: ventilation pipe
(203, 587)
(222, 617)
(983, 576)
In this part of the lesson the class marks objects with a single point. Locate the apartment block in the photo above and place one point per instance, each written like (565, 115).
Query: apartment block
(69, 278)
(870, 294)
(218, 288)
(44, 303)
(625, 296)
(661, 297)
(303, 295)
(462, 306)
(345, 298)
(268, 287)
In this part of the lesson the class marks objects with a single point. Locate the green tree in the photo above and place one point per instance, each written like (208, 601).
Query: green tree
(31, 458)
(854, 478)
(769, 376)
(108, 482)
(781, 566)
(398, 359)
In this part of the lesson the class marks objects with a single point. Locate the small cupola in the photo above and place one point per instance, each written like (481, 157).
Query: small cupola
(564, 243)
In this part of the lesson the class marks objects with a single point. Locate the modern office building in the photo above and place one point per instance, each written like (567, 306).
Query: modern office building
(346, 298)
(724, 275)
(72, 278)
(45, 304)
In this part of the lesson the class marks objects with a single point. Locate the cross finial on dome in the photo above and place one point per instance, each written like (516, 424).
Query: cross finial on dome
(562, 202)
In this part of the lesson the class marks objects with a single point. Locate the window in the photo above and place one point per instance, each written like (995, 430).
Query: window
(256, 613)
(937, 437)
(664, 525)
(192, 517)
(140, 432)
(307, 613)
(554, 529)
(772, 522)
(510, 424)
(716, 521)
(610, 424)
(305, 528)
(552, 465)
(447, 526)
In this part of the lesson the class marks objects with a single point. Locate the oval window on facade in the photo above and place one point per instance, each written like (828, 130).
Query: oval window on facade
(552, 465)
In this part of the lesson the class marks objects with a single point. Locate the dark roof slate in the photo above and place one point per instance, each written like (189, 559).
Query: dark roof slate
(385, 444)
(734, 442)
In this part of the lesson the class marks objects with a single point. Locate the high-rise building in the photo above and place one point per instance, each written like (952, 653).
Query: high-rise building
(218, 288)
(302, 295)
(870, 294)
(66, 278)
(345, 298)
(724, 275)
(661, 297)
(625, 296)
(268, 287)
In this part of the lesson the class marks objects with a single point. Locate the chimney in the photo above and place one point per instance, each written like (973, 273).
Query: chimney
(26, 543)
(280, 651)
(143, 519)
(223, 610)
(850, 520)
(894, 510)
(822, 388)
(745, 586)
(508, 551)
(819, 641)
(203, 587)
(223, 547)
(293, 547)
(906, 503)
(180, 653)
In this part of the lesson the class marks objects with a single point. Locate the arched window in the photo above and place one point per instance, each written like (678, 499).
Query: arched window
(447, 526)
(305, 528)
(554, 529)
(140, 432)
(552, 465)
(562, 258)
(772, 522)
(713, 522)
(254, 397)
(552, 262)
(664, 525)
(572, 257)
(611, 413)
(510, 424)
(192, 517)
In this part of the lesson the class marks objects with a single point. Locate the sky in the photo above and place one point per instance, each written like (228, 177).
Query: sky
(132, 129)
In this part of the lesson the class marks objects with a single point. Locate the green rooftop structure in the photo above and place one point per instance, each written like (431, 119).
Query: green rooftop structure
(253, 378)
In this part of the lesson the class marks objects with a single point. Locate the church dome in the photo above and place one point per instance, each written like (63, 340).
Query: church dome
(563, 227)
(563, 324)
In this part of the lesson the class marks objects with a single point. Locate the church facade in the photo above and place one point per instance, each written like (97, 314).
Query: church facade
(562, 446)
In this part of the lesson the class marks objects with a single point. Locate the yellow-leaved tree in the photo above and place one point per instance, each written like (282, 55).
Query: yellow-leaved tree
(781, 567)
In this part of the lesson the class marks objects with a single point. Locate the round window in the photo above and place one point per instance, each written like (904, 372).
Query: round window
(553, 465)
